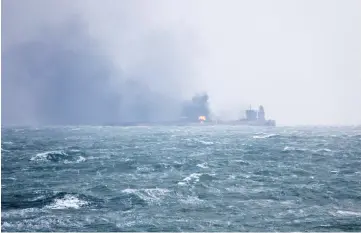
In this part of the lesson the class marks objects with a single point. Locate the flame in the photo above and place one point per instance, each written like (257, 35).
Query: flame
(202, 118)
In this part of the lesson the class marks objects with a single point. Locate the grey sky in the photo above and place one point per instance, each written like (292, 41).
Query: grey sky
(300, 59)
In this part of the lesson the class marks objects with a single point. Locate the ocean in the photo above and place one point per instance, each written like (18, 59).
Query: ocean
(190, 178)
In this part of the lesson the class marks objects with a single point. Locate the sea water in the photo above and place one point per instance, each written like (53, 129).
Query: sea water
(196, 178)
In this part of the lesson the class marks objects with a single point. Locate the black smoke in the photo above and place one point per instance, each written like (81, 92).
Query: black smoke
(198, 106)
(62, 77)
(64, 73)
(58, 72)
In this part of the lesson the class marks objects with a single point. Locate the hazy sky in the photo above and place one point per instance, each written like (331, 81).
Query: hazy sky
(300, 59)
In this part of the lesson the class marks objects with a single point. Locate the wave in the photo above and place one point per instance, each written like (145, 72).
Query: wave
(205, 142)
(265, 136)
(67, 202)
(4, 150)
(125, 202)
(66, 156)
(7, 143)
(203, 165)
(195, 178)
(200, 141)
(47, 199)
(191, 200)
(322, 150)
(148, 195)
(192, 177)
(290, 148)
(346, 213)
(131, 180)
(241, 162)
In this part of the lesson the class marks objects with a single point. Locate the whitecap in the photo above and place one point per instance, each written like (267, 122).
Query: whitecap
(145, 169)
(237, 190)
(75, 150)
(346, 213)
(204, 142)
(4, 150)
(80, 159)
(7, 143)
(322, 150)
(181, 183)
(67, 202)
(290, 148)
(44, 155)
(193, 176)
(264, 136)
(195, 154)
(149, 195)
(202, 165)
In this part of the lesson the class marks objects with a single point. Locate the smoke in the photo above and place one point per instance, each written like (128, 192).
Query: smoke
(92, 62)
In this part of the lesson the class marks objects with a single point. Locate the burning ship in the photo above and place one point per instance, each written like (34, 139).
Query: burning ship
(197, 111)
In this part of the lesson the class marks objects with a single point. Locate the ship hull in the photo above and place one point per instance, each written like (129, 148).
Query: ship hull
(246, 123)
(209, 123)
(198, 123)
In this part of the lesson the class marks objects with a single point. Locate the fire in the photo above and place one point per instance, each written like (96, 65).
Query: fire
(202, 118)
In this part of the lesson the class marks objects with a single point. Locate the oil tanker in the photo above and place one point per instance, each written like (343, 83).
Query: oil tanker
(252, 118)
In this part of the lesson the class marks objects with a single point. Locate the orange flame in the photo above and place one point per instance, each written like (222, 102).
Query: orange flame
(202, 118)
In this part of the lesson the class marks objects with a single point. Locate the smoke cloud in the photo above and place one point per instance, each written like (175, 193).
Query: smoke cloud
(64, 64)
(96, 62)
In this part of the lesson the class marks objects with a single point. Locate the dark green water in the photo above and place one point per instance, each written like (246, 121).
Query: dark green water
(201, 178)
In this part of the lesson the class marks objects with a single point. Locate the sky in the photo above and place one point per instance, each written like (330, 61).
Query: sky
(91, 61)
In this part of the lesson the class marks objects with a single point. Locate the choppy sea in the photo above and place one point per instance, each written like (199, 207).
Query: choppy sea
(196, 178)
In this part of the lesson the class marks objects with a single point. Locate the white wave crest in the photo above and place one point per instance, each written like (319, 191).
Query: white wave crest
(290, 148)
(67, 202)
(202, 165)
(44, 155)
(7, 143)
(346, 213)
(149, 195)
(264, 136)
(322, 150)
(204, 142)
(192, 177)
(79, 160)
(58, 156)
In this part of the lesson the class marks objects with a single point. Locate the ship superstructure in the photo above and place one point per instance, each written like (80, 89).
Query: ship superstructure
(254, 117)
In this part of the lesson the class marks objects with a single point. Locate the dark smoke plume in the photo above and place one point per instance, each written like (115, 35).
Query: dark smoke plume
(61, 75)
